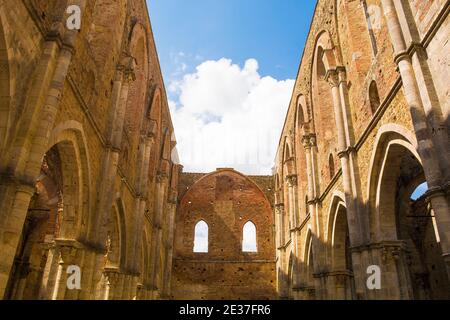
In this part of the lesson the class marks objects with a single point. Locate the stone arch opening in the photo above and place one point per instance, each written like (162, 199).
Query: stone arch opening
(409, 224)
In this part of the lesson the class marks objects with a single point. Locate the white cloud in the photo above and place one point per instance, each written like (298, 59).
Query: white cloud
(228, 116)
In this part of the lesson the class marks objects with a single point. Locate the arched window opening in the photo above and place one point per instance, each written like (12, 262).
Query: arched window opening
(201, 237)
(419, 191)
(331, 166)
(374, 97)
(249, 238)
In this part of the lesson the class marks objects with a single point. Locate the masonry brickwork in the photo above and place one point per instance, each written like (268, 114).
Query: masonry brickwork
(90, 177)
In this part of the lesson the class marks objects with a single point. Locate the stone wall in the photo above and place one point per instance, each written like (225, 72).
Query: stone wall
(225, 200)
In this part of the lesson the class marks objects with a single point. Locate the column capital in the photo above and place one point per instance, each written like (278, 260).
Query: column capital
(309, 141)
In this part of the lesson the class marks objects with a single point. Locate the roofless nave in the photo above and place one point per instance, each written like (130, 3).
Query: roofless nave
(88, 181)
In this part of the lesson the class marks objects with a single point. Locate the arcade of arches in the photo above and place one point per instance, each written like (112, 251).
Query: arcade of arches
(90, 177)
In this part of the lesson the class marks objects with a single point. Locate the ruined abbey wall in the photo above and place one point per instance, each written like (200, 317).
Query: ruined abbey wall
(226, 200)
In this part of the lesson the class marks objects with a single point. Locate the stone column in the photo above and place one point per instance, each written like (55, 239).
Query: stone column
(155, 268)
(433, 147)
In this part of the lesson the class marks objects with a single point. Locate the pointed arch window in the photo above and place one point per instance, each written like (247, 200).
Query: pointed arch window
(249, 237)
(201, 237)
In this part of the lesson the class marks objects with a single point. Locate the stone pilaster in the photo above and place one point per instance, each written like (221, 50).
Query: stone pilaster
(434, 149)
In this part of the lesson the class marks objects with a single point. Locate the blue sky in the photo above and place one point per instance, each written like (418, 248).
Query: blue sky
(229, 67)
(271, 31)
